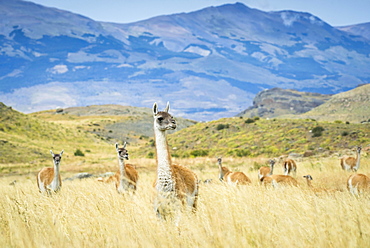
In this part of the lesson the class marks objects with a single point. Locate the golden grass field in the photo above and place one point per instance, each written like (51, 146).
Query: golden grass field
(87, 213)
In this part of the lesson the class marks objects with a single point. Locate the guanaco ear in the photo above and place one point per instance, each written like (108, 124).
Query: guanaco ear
(61, 152)
(51, 152)
(155, 109)
(167, 107)
(124, 145)
(117, 146)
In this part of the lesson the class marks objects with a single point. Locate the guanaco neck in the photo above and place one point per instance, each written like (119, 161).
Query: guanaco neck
(123, 178)
(221, 173)
(271, 169)
(164, 172)
(309, 184)
(358, 157)
(55, 184)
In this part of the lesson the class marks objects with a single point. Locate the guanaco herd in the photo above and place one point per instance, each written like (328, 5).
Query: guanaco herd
(176, 183)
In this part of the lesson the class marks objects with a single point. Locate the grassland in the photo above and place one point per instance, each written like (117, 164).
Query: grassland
(86, 213)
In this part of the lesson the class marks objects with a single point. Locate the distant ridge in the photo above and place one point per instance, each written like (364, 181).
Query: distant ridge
(362, 29)
(111, 121)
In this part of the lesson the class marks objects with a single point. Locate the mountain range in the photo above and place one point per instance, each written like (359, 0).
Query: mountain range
(208, 63)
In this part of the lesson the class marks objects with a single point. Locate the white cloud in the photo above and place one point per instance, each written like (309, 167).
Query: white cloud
(14, 73)
(40, 97)
(79, 67)
(59, 69)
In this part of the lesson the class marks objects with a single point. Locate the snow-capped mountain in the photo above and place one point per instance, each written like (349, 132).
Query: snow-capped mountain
(208, 63)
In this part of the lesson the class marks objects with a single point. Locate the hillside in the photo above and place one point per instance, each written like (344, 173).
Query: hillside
(351, 106)
(229, 52)
(110, 122)
(247, 137)
(25, 141)
(238, 136)
(276, 102)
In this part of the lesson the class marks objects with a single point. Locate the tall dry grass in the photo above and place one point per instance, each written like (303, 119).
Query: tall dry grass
(86, 213)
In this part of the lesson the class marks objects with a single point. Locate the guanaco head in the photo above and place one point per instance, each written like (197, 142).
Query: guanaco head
(57, 157)
(207, 181)
(359, 149)
(272, 162)
(219, 161)
(122, 153)
(162, 119)
(308, 177)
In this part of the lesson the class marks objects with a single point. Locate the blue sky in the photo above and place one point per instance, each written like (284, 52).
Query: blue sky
(334, 12)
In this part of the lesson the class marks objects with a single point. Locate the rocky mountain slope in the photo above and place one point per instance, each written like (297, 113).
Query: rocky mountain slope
(208, 63)
(276, 102)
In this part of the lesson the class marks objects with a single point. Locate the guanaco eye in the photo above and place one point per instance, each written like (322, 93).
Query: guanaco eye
(160, 119)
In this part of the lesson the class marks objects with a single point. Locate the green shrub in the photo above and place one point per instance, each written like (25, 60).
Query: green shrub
(242, 152)
(150, 155)
(239, 152)
(78, 152)
(317, 131)
(345, 133)
(249, 120)
(175, 155)
(199, 153)
(222, 126)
